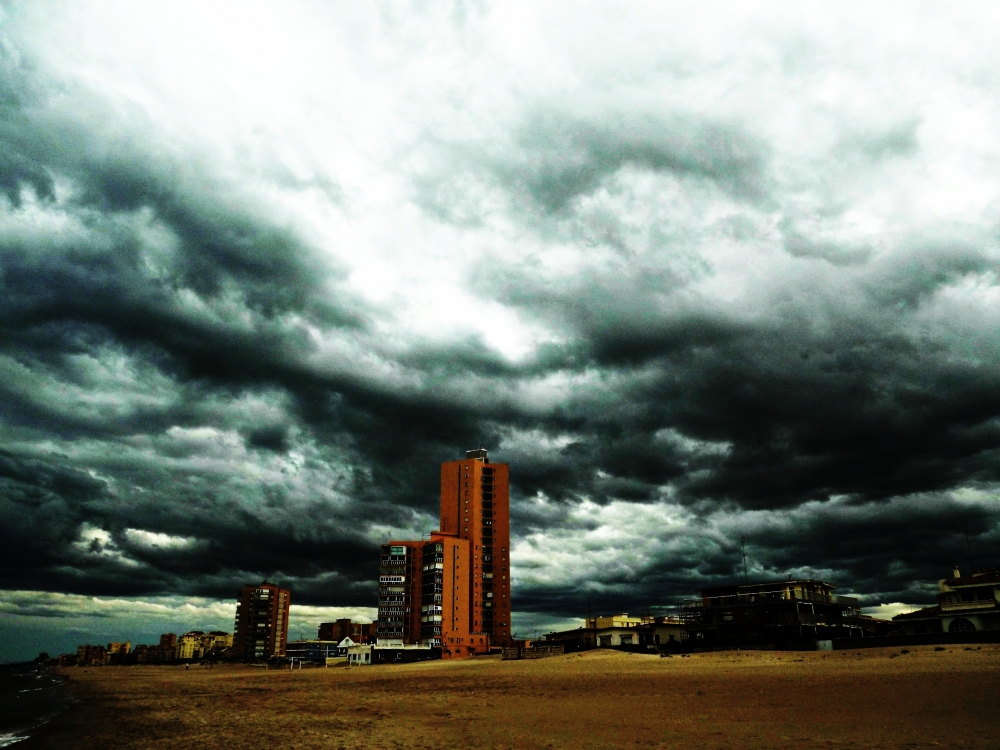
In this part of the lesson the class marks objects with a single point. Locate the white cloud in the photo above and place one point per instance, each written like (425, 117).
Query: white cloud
(155, 540)
(96, 542)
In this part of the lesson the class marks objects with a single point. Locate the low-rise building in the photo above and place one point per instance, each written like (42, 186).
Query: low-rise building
(316, 651)
(360, 655)
(965, 604)
(367, 654)
(771, 614)
(621, 631)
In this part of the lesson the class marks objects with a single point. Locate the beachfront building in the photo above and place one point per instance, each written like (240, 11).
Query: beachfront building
(646, 632)
(216, 643)
(118, 652)
(772, 614)
(91, 656)
(189, 645)
(360, 655)
(261, 630)
(642, 633)
(965, 604)
(452, 591)
(315, 651)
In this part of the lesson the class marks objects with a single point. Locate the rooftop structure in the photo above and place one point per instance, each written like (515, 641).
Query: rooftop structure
(965, 604)
(771, 613)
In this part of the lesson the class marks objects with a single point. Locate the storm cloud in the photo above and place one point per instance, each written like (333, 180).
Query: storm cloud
(697, 276)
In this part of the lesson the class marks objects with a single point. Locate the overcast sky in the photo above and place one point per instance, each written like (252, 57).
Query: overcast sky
(696, 272)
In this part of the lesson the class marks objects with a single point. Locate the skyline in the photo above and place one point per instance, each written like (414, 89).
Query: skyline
(695, 274)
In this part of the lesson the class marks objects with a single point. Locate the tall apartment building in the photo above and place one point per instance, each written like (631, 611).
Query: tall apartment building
(261, 629)
(453, 590)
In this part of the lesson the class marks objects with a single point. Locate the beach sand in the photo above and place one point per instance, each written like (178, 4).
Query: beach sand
(874, 698)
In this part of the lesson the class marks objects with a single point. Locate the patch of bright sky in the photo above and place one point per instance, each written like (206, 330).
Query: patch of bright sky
(156, 540)
(94, 541)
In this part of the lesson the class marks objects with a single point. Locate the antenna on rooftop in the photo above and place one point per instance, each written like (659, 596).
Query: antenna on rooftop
(743, 544)
(968, 546)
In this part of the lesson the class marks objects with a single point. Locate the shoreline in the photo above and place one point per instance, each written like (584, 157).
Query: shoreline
(32, 698)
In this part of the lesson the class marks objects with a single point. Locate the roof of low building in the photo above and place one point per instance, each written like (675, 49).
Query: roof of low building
(770, 585)
(920, 614)
(978, 578)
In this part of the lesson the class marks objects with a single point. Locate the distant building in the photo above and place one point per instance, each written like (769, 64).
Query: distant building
(360, 655)
(366, 654)
(965, 604)
(216, 643)
(163, 652)
(621, 631)
(621, 620)
(359, 632)
(189, 646)
(317, 651)
(771, 614)
(91, 656)
(261, 629)
(118, 652)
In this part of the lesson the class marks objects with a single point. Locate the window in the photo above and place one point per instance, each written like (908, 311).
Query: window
(961, 625)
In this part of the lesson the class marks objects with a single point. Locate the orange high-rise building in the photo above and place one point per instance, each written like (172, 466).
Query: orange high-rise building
(453, 591)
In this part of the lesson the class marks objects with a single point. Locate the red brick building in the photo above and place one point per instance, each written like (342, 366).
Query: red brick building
(261, 629)
(359, 632)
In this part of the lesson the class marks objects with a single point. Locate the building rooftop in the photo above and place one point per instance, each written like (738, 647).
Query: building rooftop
(920, 614)
(766, 586)
(978, 578)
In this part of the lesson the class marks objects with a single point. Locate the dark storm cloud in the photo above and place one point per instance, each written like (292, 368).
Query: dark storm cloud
(195, 392)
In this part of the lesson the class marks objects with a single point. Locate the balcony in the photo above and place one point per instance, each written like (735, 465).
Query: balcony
(977, 604)
(763, 597)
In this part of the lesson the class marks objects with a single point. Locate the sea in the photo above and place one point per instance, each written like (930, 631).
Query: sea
(30, 697)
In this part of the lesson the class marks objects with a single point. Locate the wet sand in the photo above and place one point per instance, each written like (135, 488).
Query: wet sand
(876, 698)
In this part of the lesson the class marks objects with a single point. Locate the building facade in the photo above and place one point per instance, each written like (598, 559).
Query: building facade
(771, 614)
(261, 629)
(118, 652)
(359, 632)
(475, 507)
(965, 604)
(452, 591)
(317, 651)
(91, 656)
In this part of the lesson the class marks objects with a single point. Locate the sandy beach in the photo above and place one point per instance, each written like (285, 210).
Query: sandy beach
(877, 698)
